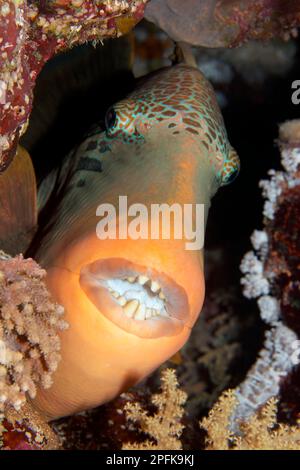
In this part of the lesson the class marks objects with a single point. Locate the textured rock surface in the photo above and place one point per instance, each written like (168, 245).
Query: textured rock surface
(224, 23)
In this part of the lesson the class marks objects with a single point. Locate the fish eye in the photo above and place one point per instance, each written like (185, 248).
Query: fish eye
(230, 177)
(110, 118)
(231, 168)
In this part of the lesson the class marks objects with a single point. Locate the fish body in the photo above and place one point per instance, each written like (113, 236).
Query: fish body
(131, 303)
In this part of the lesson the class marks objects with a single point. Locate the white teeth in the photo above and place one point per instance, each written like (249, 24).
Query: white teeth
(161, 296)
(163, 313)
(148, 313)
(140, 313)
(142, 280)
(144, 300)
(122, 301)
(130, 308)
(155, 287)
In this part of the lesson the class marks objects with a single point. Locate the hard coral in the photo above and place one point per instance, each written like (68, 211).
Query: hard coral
(31, 31)
(224, 23)
(29, 323)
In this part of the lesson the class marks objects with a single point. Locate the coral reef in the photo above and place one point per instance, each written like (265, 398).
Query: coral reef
(206, 365)
(26, 430)
(29, 326)
(33, 31)
(222, 351)
(134, 420)
(271, 275)
(260, 432)
(101, 428)
(224, 23)
(164, 427)
(216, 357)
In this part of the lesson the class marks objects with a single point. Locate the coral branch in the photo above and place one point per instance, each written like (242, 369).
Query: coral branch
(260, 432)
(164, 427)
(272, 276)
(29, 323)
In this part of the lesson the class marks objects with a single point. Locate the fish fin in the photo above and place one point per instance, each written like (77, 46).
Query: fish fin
(46, 189)
(18, 204)
(177, 358)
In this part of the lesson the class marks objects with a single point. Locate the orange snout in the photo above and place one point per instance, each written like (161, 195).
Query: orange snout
(104, 352)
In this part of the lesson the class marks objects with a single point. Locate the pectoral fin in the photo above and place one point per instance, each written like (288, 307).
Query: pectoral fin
(18, 204)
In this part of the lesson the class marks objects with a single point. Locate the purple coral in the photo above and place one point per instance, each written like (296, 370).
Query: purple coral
(29, 323)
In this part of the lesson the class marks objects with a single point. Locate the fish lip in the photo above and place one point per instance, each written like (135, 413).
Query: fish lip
(93, 278)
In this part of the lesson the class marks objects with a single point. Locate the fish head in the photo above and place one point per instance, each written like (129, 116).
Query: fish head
(177, 100)
(132, 301)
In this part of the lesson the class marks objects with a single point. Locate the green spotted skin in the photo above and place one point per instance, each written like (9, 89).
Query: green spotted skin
(165, 142)
(177, 100)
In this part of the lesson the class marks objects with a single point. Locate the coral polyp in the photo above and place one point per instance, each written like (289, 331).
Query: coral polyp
(29, 326)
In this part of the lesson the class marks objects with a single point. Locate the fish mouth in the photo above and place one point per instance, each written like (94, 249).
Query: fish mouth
(138, 299)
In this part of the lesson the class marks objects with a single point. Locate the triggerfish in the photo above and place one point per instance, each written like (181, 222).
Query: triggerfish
(130, 303)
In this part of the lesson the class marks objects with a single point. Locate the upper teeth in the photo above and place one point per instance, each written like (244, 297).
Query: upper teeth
(135, 295)
(155, 287)
(142, 279)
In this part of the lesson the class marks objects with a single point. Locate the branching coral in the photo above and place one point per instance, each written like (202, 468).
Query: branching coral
(31, 32)
(164, 427)
(224, 23)
(29, 323)
(208, 361)
(260, 432)
(217, 422)
(272, 276)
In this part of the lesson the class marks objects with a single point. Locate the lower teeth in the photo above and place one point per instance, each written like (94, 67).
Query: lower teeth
(135, 309)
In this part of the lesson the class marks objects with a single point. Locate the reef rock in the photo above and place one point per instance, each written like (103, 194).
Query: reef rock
(224, 23)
